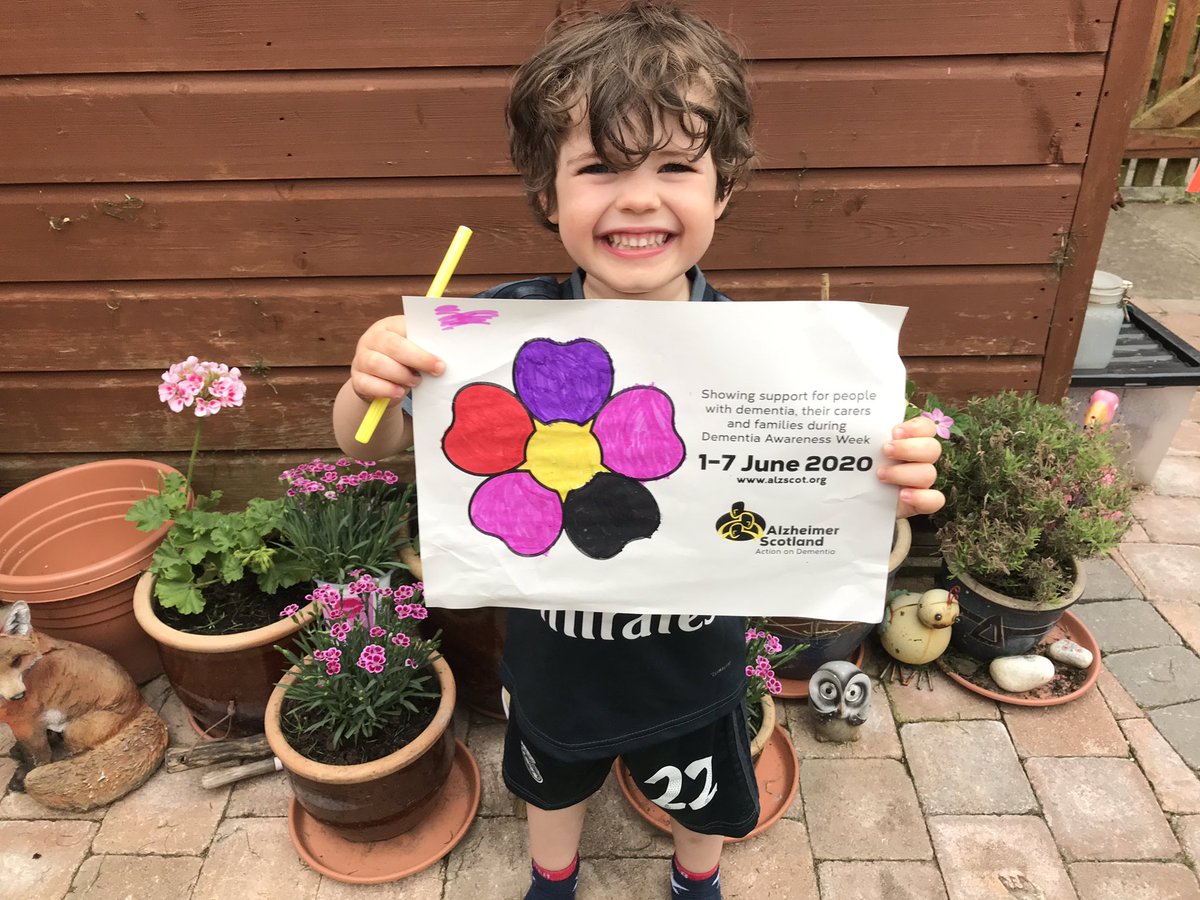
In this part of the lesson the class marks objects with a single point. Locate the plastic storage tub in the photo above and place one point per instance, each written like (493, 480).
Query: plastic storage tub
(1155, 373)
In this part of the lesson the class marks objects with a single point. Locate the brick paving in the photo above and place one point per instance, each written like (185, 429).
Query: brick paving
(947, 796)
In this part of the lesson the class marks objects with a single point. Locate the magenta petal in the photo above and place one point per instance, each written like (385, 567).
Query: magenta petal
(636, 431)
(519, 511)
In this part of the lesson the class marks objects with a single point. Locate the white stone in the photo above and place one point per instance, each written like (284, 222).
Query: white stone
(1017, 674)
(1070, 653)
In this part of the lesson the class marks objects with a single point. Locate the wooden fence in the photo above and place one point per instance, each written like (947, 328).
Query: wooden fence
(256, 182)
(1164, 137)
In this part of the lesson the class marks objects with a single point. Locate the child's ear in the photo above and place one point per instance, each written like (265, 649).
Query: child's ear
(722, 202)
(551, 210)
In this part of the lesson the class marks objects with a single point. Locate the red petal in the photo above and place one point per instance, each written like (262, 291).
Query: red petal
(489, 431)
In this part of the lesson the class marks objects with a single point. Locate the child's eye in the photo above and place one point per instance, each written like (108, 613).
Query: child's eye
(595, 169)
(678, 167)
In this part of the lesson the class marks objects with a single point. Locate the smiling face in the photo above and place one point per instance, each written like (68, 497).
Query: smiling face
(638, 231)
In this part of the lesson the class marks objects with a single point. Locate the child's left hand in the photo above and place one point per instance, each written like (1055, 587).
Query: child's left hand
(913, 450)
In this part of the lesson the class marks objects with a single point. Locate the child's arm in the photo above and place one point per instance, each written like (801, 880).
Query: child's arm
(914, 448)
(386, 364)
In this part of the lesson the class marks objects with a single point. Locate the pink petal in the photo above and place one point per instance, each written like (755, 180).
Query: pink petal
(636, 431)
(519, 511)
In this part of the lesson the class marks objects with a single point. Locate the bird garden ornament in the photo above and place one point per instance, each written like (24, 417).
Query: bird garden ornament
(839, 694)
(915, 631)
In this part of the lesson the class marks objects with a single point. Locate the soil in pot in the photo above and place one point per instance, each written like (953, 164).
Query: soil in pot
(235, 607)
(317, 747)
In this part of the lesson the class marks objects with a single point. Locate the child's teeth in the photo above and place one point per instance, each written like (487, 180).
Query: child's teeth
(637, 241)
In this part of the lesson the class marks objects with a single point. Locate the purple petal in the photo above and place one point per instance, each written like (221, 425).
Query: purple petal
(563, 382)
(519, 511)
(636, 431)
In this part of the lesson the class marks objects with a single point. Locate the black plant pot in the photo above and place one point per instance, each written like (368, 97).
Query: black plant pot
(826, 639)
(992, 624)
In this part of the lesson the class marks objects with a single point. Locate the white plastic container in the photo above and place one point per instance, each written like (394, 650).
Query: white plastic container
(1102, 322)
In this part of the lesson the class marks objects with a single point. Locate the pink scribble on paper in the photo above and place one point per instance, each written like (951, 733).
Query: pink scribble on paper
(450, 316)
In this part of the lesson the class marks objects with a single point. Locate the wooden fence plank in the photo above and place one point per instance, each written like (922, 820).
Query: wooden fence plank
(1179, 49)
(956, 379)
(1174, 109)
(1119, 100)
(822, 113)
(84, 412)
(1153, 46)
(926, 112)
(1163, 143)
(238, 474)
(77, 412)
(251, 323)
(55, 36)
(826, 218)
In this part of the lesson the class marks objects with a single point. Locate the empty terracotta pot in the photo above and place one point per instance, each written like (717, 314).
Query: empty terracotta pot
(66, 549)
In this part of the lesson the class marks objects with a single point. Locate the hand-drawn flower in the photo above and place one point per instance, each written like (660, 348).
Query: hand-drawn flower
(564, 453)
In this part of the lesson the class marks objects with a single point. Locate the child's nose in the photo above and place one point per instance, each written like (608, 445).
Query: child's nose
(638, 193)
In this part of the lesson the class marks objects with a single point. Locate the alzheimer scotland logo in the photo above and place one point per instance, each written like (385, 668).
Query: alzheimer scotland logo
(563, 454)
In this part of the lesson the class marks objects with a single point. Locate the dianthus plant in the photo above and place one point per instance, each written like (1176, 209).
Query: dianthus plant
(764, 651)
(206, 388)
(345, 515)
(359, 675)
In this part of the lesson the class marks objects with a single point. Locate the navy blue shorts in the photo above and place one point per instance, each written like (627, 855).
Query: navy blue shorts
(704, 779)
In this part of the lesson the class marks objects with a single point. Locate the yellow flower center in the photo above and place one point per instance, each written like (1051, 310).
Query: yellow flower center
(562, 456)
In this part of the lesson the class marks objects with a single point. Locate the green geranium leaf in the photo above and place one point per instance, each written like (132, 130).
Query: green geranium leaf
(183, 597)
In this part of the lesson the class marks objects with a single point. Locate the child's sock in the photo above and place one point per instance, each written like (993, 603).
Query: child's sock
(558, 885)
(695, 886)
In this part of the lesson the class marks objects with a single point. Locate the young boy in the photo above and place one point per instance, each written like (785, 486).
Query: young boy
(632, 130)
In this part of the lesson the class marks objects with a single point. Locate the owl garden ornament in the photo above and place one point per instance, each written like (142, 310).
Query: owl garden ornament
(840, 695)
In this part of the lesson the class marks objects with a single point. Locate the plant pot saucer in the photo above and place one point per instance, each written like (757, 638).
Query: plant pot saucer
(325, 850)
(797, 688)
(776, 771)
(1069, 626)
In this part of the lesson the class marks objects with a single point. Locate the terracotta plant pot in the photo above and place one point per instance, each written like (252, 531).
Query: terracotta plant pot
(828, 640)
(992, 624)
(377, 800)
(224, 680)
(66, 549)
(472, 642)
(765, 729)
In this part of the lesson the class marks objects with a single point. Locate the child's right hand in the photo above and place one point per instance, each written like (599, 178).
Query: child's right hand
(387, 364)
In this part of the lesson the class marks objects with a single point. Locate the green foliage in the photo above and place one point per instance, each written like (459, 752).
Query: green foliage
(1027, 491)
(353, 679)
(339, 519)
(205, 547)
(151, 513)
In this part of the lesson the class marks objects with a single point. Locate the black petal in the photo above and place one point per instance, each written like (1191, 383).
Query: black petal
(607, 513)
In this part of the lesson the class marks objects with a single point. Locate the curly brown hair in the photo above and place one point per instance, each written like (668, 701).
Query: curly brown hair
(627, 72)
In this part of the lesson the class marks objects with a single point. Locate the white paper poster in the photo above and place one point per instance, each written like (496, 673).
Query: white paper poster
(674, 458)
